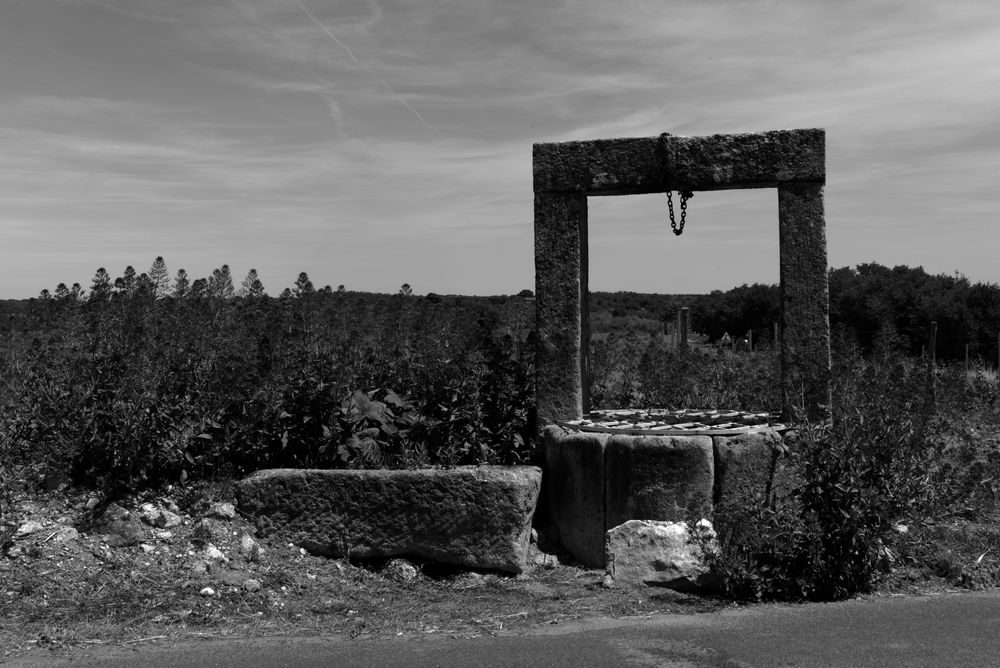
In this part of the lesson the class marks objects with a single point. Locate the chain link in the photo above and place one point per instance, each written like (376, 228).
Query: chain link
(685, 196)
(678, 229)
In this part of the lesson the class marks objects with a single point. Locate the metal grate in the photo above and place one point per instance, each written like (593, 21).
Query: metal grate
(684, 422)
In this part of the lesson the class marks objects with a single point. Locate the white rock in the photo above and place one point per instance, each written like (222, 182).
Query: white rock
(207, 591)
(65, 534)
(158, 517)
(223, 510)
(199, 567)
(665, 554)
(400, 570)
(251, 585)
(28, 528)
(147, 548)
(212, 553)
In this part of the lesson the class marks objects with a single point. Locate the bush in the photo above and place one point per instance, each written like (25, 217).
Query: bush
(880, 462)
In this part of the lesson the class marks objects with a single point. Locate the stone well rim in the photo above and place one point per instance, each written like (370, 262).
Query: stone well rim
(682, 422)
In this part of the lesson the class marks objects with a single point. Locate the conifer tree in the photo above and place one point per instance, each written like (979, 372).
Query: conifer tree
(100, 287)
(160, 278)
(221, 283)
(182, 285)
(303, 286)
(251, 286)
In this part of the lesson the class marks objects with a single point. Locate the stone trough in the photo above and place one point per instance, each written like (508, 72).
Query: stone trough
(477, 517)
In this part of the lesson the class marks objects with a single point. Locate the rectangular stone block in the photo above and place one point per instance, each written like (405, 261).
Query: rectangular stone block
(573, 491)
(562, 319)
(668, 478)
(715, 162)
(747, 466)
(478, 517)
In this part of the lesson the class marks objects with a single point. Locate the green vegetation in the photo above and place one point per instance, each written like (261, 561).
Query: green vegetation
(133, 387)
(140, 382)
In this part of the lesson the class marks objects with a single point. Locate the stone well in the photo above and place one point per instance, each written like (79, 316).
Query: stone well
(598, 478)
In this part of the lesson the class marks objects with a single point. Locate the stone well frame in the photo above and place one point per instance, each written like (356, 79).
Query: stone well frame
(566, 173)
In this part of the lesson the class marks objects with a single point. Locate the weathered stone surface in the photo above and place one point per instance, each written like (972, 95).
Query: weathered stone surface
(658, 478)
(27, 529)
(744, 464)
(647, 165)
(664, 554)
(573, 492)
(470, 516)
(562, 319)
(805, 300)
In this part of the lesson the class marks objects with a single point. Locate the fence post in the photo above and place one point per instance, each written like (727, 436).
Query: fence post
(931, 364)
(684, 328)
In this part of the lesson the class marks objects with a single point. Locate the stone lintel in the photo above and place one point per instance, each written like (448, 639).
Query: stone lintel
(715, 162)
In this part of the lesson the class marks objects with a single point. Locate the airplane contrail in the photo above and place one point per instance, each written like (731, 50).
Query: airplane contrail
(370, 71)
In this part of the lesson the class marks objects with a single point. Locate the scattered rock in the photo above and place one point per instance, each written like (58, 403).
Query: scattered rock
(608, 582)
(543, 560)
(249, 548)
(162, 534)
(209, 531)
(64, 535)
(158, 517)
(199, 567)
(147, 548)
(223, 510)
(27, 529)
(251, 585)
(91, 503)
(207, 591)
(212, 553)
(113, 513)
(123, 533)
(169, 505)
(664, 554)
(400, 570)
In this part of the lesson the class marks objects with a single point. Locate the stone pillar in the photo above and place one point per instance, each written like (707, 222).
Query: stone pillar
(561, 311)
(805, 300)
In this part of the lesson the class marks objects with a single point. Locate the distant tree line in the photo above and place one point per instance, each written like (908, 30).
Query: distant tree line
(876, 306)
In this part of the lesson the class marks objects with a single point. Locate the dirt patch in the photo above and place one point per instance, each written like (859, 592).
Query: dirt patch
(77, 571)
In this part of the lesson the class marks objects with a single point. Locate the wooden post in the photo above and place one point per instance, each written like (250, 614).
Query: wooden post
(684, 328)
(933, 345)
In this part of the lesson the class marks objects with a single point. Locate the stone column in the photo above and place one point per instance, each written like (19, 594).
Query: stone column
(561, 311)
(805, 300)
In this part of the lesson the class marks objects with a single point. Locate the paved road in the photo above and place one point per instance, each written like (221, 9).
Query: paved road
(950, 630)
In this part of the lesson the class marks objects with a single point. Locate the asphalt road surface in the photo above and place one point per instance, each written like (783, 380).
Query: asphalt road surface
(947, 630)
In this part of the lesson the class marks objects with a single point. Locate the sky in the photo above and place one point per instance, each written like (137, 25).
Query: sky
(371, 143)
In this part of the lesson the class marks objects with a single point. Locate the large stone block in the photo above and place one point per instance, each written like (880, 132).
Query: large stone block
(478, 517)
(658, 478)
(573, 491)
(663, 554)
(747, 466)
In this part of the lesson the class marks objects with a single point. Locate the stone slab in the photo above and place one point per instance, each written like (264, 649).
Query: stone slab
(573, 491)
(715, 162)
(668, 478)
(478, 517)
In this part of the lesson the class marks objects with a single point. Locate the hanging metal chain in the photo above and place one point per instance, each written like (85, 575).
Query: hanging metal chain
(678, 229)
(685, 196)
